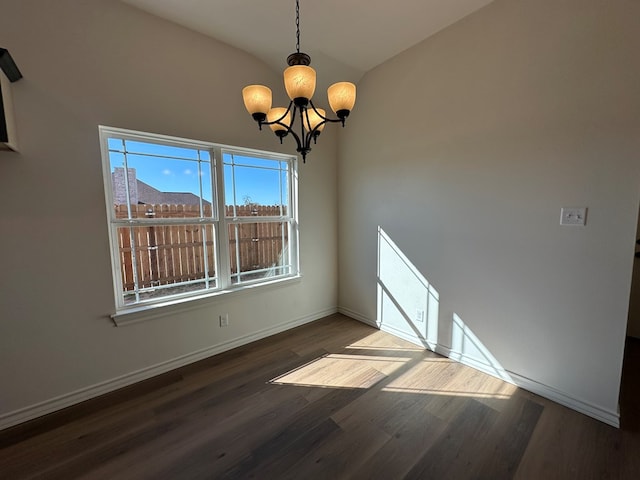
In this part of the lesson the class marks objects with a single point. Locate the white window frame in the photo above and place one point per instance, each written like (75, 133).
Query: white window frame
(219, 220)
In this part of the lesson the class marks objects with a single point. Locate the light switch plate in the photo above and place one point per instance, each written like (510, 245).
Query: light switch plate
(573, 216)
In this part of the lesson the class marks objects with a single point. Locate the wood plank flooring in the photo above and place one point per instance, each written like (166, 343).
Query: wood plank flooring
(335, 399)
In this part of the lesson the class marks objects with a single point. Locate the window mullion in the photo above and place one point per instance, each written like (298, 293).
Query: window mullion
(162, 222)
(259, 219)
(134, 265)
(233, 185)
(132, 239)
(237, 249)
(205, 249)
(280, 186)
(224, 263)
(201, 203)
(126, 178)
(292, 193)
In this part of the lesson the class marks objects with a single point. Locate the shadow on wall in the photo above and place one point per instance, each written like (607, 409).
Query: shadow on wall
(408, 306)
(466, 348)
(407, 303)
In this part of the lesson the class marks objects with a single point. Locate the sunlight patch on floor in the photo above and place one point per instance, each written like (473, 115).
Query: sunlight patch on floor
(342, 371)
(432, 378)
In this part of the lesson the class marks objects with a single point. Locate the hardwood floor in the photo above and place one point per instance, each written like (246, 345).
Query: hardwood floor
(333, 399)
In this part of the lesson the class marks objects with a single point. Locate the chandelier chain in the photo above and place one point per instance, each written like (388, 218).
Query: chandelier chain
(297, 26)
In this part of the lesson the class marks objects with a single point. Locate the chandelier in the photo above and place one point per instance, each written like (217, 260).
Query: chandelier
(300, 84)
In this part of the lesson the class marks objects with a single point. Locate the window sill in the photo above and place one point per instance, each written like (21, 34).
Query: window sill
(136, 314)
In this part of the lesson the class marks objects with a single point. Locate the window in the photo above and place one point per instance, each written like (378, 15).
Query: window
(188, 218)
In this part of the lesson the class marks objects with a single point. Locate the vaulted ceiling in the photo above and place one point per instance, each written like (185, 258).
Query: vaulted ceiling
(345, 38)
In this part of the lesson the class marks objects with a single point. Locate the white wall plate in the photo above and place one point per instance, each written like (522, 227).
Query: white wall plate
(575, 216)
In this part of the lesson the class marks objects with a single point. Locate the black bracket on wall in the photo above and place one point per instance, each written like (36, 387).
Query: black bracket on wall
(10, 69)
(8, 66)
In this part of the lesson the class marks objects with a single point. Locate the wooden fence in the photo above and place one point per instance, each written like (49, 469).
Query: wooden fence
(169, 254)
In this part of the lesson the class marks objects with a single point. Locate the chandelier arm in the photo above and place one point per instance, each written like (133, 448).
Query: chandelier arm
(304, 145)
(295, 135)
(306, 124)
(279, 120)
(326, 119)
(312, 135)
(303, 114)
(291, 131)
(315, 132)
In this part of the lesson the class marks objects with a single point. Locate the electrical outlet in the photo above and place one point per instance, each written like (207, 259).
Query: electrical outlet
(419, 315)
(224, 320)
(573, 216)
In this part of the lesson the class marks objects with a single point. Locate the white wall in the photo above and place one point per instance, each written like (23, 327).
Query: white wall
(464, 148)
(103, 62)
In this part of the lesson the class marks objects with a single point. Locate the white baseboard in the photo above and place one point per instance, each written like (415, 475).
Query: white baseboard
(63, 401)
(493, 370)
(595, 411)
(408, 336)
(357, 316)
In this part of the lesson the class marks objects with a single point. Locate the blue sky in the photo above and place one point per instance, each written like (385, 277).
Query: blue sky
(255, 179)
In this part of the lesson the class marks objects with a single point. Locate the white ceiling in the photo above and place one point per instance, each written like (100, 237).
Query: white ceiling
(345, 38)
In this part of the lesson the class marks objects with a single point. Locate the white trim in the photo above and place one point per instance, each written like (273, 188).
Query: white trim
(357, 316)
(473, 362)
(409, 337)
(594, 411)
(63, 401)
(142, 313)
(591, 410)
(125, 133)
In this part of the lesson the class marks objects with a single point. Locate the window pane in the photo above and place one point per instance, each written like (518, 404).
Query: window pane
(257, 186)
(284, 181)
(159, 149)
(253, 210)
(157, 261)
(252, 161)
(162, 211)
(151, 181)
(229, 194)
(115, 144)
(258, 250)
(206, 177)
(253, 182)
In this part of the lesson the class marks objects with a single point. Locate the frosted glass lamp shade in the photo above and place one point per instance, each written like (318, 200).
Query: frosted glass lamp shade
(315, 119)
(300, 82)
(257, 100)
(275, 114)
(342, 98)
